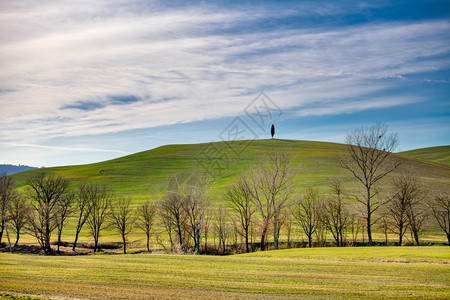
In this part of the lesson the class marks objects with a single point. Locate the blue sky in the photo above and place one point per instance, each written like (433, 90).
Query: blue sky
(86, 81)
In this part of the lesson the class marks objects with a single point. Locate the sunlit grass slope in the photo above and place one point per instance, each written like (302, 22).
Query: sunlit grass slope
(439, 154)
(334, 273)
(316, 163)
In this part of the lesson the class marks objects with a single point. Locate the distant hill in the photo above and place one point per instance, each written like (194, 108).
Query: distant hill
(440, 154)
(317, 163)
(13, 169)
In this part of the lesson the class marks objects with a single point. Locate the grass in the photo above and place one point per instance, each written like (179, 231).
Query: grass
(377, 272)
(140, 174)
(440, 154)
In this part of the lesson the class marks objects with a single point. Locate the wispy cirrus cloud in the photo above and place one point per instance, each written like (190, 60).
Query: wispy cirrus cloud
(72, 69)
(71, 149)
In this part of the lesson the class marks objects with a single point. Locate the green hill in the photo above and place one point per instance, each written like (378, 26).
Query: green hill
(140, 174)
(440, 154)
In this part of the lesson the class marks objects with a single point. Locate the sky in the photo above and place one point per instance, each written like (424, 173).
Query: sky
(86, 81)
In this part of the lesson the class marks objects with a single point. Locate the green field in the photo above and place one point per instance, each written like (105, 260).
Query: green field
(316, 163)
(439, 154)
(359, 272)
(140, 175)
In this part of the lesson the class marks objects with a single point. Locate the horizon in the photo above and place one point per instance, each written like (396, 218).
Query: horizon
(90, 82)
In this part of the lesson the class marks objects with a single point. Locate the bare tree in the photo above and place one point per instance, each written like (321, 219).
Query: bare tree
(240, 201)
(101, 199)
(271, 190)
(284, 220)
(17, 214)
(64, 211)
(46, 193)
(384, 226)
(440, 206)
(172, 210)
(355, 226)
(183, 209)
(195, 204)
(306, 213)
(287, 220)
(405, 191)
(222, 228)
(252, 185)
(167, 219)
(417, 214)
(6, 193)
(206, 227)
(145, 218)
(335, 214)
(122, 218)
(83, 206)
(370, 149)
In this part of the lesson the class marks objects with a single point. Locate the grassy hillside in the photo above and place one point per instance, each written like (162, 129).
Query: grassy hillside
(335, 273)
(140, 174)
(439, 154)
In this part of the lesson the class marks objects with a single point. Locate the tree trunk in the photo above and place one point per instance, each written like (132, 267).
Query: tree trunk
(197, 242)
(124, 244)
(263, 239)
(2, 229)
(275, 224)
(251, 237)
(416, 237)
(59, 238)
(148, 242)
(95, 244)
(247, 249)
(275, 234)
(47, 247)
(17, 239)
(9, 241)
(369, 215)
(75, 242)
(310, 241)
(180, 235)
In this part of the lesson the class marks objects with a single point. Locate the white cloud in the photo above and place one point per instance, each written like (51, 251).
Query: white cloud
(71, 149)
(185, 67)
(349, 107)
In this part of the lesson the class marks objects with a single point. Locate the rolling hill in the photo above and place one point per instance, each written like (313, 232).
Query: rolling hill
(440, 154)
(140, 174)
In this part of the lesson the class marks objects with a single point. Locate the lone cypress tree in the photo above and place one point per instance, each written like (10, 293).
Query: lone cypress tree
(272, 130)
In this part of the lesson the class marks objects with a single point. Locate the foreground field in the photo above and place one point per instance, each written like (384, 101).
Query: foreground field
(378, 272)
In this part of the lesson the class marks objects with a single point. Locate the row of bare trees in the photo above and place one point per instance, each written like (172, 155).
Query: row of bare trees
(188, 218)
(183, 210)
(260, 201)
(264, 199)
(48, 203)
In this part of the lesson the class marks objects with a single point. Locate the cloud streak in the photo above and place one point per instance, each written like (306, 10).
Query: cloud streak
(73, 69)
(71, 149)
